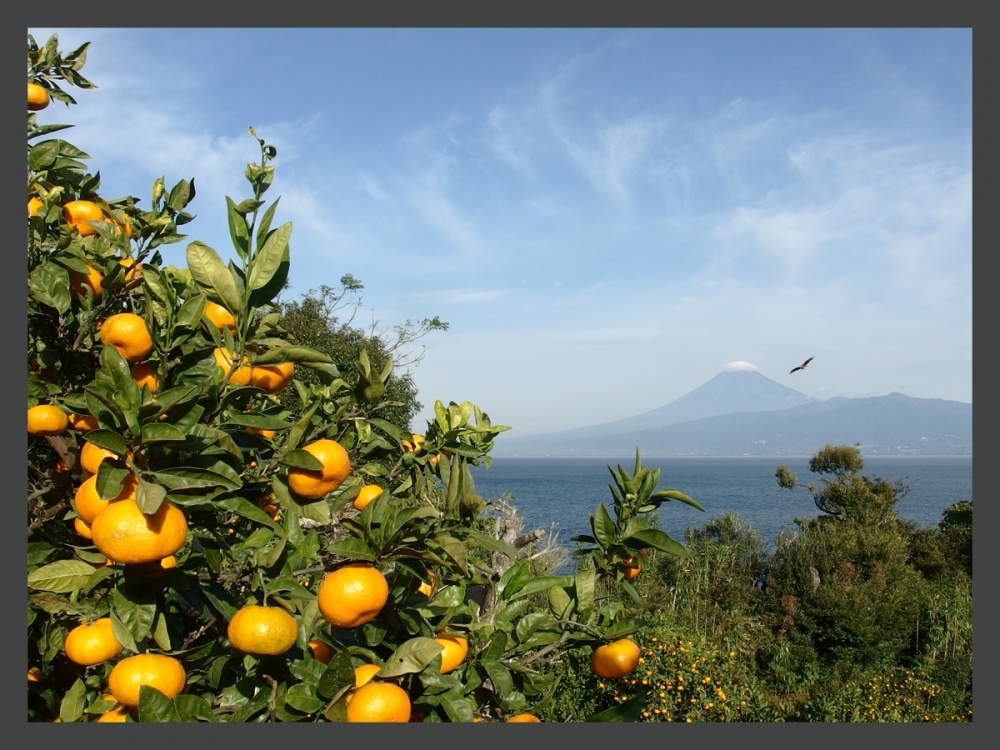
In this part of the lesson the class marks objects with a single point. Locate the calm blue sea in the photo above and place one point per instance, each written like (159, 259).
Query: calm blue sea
(566, 491)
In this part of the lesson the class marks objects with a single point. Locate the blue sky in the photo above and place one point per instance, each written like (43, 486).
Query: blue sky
(606, 218)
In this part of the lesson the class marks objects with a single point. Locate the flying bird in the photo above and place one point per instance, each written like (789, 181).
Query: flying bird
(802, 366)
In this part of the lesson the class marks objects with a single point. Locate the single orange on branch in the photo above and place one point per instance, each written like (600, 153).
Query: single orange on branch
(125, 534)
(38, 97)
(455, 650)
(615, 659)
(379, 702)
(312, 484)
(47, 419)
(78, 214)
(165, 673)
(262, 630)
(92, 643)
(272, 378)
(127, 332)
(352, 595)
(368, 493)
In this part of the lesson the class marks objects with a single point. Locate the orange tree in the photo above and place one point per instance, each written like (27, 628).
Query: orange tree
(215, 530)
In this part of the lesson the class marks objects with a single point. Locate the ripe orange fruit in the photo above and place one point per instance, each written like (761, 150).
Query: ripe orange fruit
(631, 571)
(33, 205)
(524, 718)
(47, 419)
(269, 631)
(379, 702)
(219, 316)
(78, 213)
(118, 713)
(455, 650)
(313, 484)
(134, 270)
(143, 374)
(320, 651)
(127, 333)
(427, 588)
(365, 673)
(79, 283)
(410, 447)
(82, 528)
(224, 361)
(168, 562)
(127, 535)
(269, 434)
(615, 659)
(88, 502)
(272, 378)
(165, 673)
(34, 674)
(82, 422)
(368, 493)
(92, 644)
(91, 456)
(352, 595)
(38, 97)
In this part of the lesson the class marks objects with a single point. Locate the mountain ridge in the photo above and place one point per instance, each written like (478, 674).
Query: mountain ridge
(745, 413)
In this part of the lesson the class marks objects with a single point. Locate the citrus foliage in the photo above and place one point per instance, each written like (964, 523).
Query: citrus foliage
(215, 523)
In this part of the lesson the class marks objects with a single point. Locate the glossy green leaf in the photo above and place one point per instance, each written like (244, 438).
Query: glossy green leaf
(154, 706)
(411, 656)
(62, 576)
(149, 497)
(675, 495)
(268, 259)
(209, 272)
(660, 540)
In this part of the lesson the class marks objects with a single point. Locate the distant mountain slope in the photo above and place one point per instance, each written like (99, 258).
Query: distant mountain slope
(742, 412)
(893, 424)
(729, 392)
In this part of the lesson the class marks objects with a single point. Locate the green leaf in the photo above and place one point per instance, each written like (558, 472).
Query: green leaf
(149, 497)
(658, 539)
(298, 354)
(534, 586)
(136, 609)
(603, 527)
(301, 698)
(209, 272)
(411, 656)
(62, 576)
(455, 550)
(49, 284)
(108, 440)
(238, 230)
(267, 261)
(71, 706)
(351, 548)
(302, 459)
(160, 432)
(675, 495)
(630, 710)
(154, 706)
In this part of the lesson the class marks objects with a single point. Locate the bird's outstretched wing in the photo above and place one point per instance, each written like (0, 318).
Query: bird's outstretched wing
(801, 367)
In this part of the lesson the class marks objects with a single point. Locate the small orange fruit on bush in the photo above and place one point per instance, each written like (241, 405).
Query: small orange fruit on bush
(368, 493)
(524, 718)
(118, 713)
(365, 673)
(92, 644)
(91, 456)
(219, 316)
(82, 528)
(38, 97)
(379, 702)
(615, 659)
(127, 333)
(631, 571)
(125, 534)
(88, 502)
(33, 205)
(82, 422)
(165, 673)
(272, 378)
(313, 484)
(455, 650)
(265, 631)
(78, 213)
(144, 375)
(320, 651)
(352, 595)
(79, 283)
(47, 419)
(34, 674)
(224, 361)
(133, 269)
(427, 587)
(414, 445)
